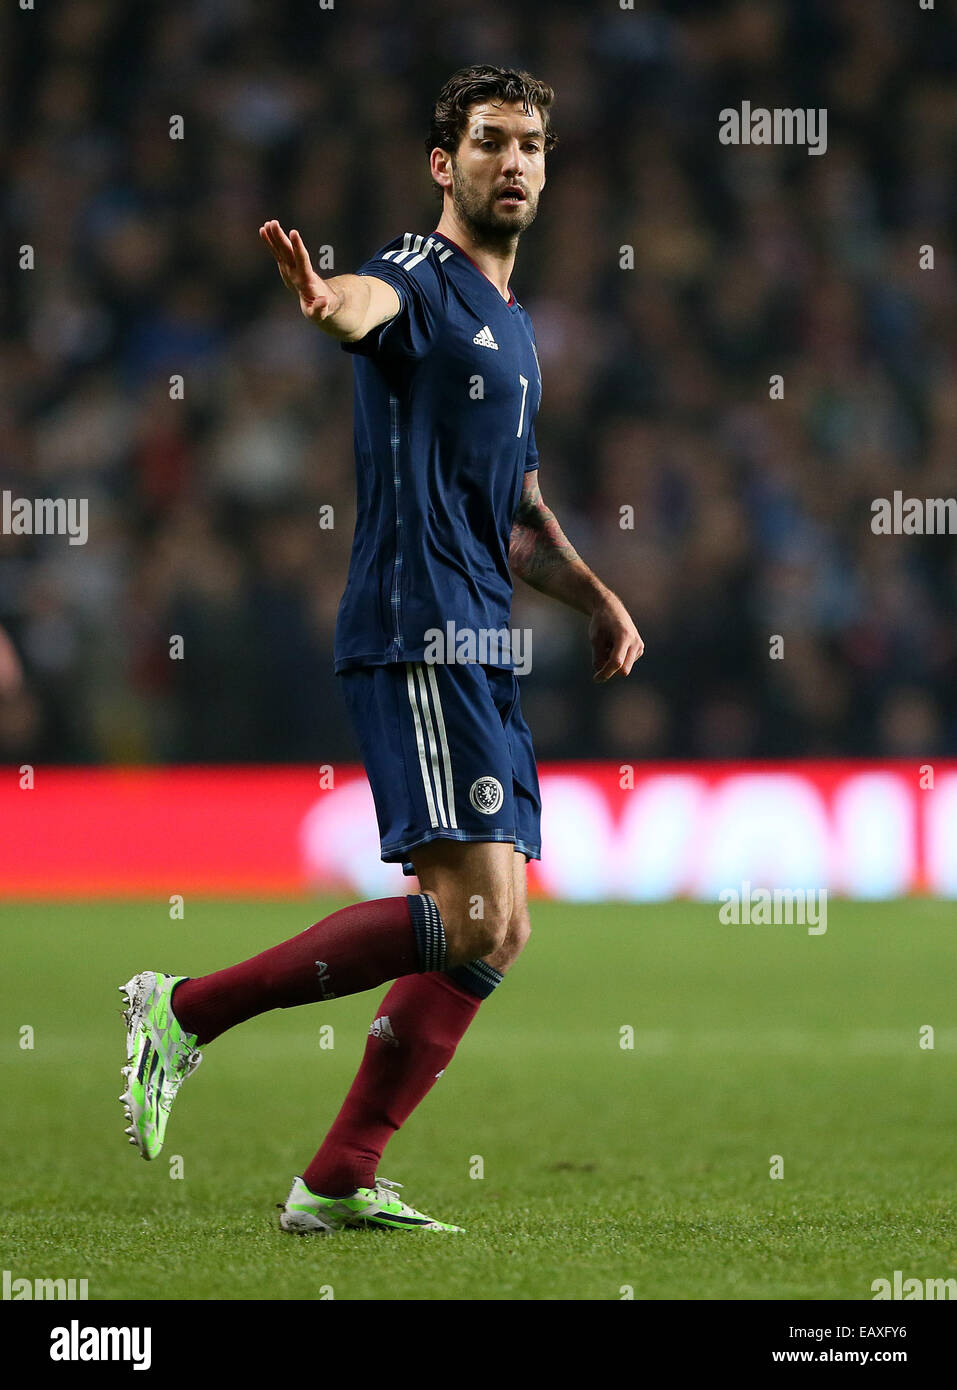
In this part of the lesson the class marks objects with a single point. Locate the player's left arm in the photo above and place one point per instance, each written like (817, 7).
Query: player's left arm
(541, 554)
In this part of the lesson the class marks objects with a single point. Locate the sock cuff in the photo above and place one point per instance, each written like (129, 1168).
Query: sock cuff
(476, 976)
(429, 932)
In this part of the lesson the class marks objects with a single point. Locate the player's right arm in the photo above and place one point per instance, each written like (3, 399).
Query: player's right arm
(347, 307)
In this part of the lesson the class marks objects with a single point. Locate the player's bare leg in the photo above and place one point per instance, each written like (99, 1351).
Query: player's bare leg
(519, 923)
(473, 885)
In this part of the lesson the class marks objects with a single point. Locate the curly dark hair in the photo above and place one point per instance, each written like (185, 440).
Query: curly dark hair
(481, 82)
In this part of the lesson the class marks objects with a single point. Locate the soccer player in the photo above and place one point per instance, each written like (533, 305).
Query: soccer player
(447, 386)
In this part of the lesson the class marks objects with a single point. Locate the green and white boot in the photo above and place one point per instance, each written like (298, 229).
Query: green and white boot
(305, 1212)
(159, 1057)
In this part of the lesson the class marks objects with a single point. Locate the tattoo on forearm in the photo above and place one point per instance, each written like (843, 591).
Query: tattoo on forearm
(538, 546)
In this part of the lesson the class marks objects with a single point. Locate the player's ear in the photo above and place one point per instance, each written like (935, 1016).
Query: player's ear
(441, 164)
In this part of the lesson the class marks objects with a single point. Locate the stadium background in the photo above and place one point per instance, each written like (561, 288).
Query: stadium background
(608, 1168)
(752, 516)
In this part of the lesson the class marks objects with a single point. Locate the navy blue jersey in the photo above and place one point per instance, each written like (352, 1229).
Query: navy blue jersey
(446, 395)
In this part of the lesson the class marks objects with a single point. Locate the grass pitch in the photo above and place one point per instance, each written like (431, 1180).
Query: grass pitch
(605, 1167)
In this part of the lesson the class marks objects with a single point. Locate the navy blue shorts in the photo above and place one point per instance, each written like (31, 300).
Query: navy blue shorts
(448, 755)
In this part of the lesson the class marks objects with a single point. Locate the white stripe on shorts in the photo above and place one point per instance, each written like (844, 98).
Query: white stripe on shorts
(433, 749)
(444, 742)
(420, 742)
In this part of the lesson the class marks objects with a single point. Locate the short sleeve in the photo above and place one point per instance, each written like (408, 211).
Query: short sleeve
(531, 452)
(415, 328)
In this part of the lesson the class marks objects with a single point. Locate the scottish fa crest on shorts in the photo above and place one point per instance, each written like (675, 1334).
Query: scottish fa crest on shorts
(486, 795)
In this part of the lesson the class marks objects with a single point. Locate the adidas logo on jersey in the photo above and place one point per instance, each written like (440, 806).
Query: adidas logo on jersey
(382, 1028)
(484, 338)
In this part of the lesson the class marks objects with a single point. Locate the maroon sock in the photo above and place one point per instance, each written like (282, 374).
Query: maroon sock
(416, 1031)
(355, 948)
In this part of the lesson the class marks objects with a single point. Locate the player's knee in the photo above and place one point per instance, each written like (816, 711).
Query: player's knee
(488, 933)
(488, 940)
(478, 927)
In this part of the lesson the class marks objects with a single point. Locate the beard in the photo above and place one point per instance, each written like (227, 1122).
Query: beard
(489, 224)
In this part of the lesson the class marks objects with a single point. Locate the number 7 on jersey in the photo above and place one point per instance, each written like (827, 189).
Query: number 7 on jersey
(521, 418)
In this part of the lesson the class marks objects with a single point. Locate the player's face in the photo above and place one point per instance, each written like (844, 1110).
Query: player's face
(499, 170)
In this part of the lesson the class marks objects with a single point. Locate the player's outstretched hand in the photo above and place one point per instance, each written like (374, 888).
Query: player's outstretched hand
(317, 299)
(615, 641)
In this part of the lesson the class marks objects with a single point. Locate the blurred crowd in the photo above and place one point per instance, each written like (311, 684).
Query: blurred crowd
(751, 515)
